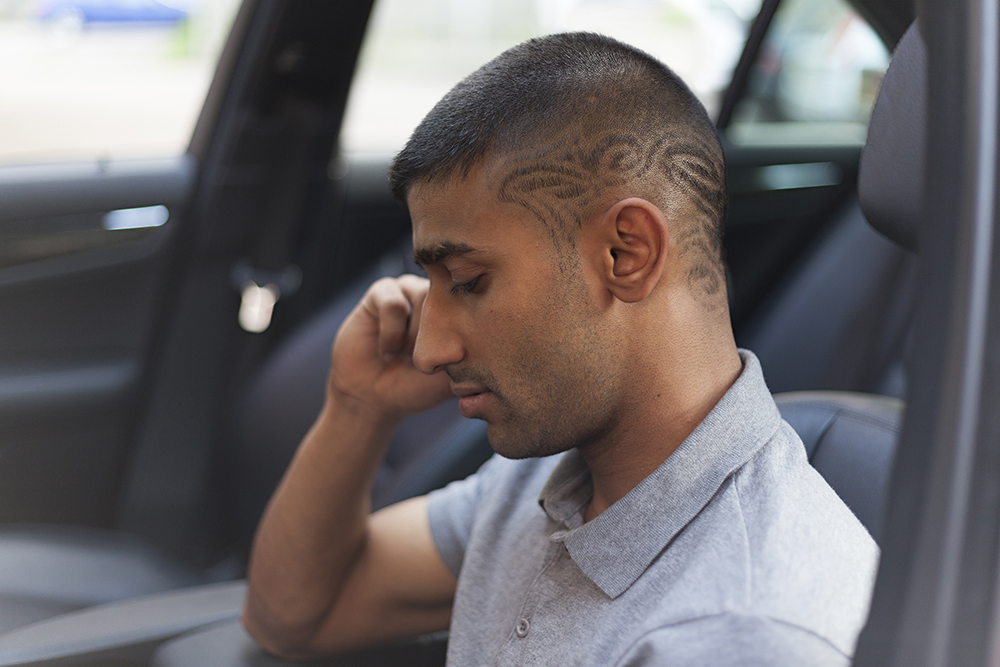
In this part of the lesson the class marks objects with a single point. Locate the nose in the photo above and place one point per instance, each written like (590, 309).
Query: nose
(438, 343)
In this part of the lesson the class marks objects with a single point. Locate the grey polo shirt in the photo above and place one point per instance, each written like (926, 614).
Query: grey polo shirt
(733, 552)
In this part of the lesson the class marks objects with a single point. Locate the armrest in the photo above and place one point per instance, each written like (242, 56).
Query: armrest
(227, 644)
(121, 631)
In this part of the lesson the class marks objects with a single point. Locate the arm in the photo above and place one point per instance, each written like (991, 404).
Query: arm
(326, 575)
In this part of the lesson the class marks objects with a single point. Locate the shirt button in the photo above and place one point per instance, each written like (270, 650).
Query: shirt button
(522, 628)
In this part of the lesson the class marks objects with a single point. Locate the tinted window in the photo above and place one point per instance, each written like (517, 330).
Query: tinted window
(815, 79)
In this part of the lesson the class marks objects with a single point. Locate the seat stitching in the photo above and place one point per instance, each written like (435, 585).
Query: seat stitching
(854, 413)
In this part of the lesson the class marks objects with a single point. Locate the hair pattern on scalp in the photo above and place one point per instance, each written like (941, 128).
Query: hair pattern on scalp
(570, 116)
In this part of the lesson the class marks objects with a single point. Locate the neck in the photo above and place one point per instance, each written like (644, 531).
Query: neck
(664, 411)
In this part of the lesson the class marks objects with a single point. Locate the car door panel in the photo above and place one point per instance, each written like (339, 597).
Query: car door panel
(79, 303)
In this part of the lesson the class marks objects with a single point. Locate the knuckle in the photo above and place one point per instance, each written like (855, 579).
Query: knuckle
(381, 286)
(387, 295)
(412, 282)
(396, 308)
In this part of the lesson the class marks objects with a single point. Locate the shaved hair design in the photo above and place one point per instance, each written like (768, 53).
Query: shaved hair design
(569, 118)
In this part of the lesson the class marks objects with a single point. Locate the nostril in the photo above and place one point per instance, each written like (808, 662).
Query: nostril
(423, 361)
(430, 360)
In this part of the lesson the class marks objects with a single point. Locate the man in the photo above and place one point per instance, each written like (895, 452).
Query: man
(648, 505)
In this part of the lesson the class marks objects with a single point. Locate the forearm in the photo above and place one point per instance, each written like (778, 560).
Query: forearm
(315, 526)
(321, 570)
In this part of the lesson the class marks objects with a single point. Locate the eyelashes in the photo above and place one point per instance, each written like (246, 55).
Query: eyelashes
(466, 288)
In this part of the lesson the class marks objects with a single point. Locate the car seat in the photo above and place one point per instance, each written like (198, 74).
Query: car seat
(841, 319)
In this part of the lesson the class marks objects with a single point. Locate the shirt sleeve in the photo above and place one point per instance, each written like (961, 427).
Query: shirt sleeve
(733, 640)
(451, 512)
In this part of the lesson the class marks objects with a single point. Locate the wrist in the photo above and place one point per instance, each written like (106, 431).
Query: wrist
(341, 406)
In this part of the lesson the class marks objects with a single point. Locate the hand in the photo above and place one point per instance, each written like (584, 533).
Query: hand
(372, 355)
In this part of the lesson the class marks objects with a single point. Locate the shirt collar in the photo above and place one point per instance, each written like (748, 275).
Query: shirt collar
(616, 547)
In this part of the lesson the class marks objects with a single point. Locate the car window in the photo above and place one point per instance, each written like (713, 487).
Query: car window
(105, 79)
(815, 78)
(416, 50)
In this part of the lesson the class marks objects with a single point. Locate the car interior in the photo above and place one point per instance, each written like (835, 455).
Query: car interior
(143, 429)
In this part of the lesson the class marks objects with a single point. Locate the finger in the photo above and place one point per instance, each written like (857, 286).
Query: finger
(392, 309)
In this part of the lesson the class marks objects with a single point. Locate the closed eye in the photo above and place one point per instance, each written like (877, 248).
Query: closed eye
(466, 288)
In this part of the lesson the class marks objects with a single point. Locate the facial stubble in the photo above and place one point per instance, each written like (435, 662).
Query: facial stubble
(554, 380)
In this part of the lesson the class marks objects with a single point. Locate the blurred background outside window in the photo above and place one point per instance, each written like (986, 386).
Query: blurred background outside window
(416, 50)
(815, 78)
(103, 79)
(107, 79)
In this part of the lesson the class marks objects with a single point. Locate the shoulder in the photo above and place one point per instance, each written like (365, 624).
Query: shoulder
(811, 561)
(788, 506)
(733, 640)
(778, 489)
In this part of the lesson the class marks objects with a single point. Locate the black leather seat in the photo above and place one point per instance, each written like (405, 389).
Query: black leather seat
(841, 319)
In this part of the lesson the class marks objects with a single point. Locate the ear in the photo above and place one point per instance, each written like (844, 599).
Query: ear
(634, 239)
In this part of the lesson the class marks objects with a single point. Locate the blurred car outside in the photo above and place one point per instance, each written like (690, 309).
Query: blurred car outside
(80, 12)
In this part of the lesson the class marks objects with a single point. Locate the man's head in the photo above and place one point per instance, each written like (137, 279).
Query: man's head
(550, 192)
(574, 120)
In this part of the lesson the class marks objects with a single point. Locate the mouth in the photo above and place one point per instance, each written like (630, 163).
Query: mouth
(471, 399)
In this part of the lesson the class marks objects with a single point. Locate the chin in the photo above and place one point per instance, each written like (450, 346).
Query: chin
(522, 444)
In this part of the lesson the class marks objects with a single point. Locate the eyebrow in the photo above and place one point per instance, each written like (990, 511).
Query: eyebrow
(439, 252)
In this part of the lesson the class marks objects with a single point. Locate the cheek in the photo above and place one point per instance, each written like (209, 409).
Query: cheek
(534, 346)
(509, 320)
(532, 339)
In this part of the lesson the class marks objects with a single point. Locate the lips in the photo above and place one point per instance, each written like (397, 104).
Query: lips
(471, 399)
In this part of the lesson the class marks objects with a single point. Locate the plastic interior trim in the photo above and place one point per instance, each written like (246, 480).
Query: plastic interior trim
(122, 630)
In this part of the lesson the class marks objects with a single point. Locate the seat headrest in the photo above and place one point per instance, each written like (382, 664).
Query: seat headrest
(891, 177)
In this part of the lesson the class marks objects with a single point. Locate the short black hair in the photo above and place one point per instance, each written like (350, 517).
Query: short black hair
(574, 113)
